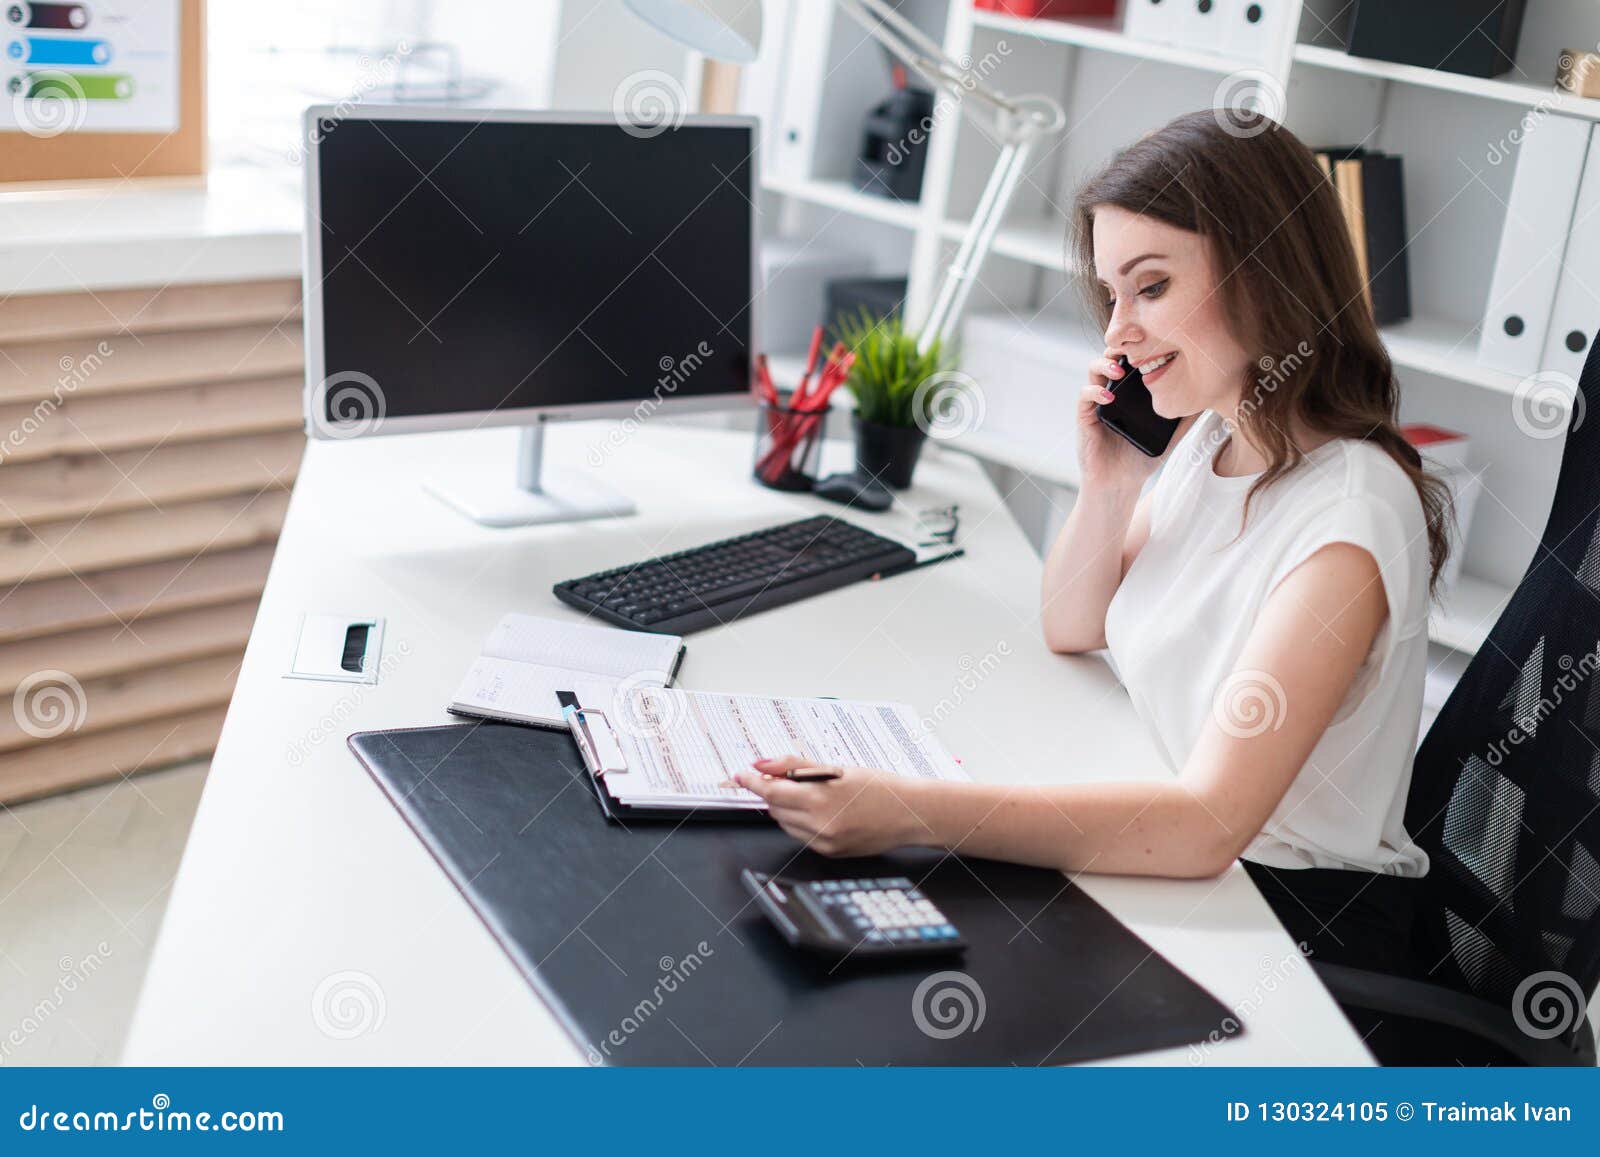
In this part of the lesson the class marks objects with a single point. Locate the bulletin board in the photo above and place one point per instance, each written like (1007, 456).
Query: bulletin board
(101, 89)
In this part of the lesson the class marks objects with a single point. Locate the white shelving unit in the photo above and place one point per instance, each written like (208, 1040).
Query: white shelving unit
(1517, 92)
(1463, 618)
(1115, 88)
(1104, 35)
(845, 198)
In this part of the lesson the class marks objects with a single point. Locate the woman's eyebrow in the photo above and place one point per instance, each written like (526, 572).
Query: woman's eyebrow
(1130, 264)
(1123, 272)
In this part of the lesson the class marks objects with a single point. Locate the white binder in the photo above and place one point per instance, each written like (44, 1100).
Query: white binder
(1252, 28)
(1156, 21)
(809, 36)
(1575, 318)
(761, 82)
(1538, 215)
(1202, 24)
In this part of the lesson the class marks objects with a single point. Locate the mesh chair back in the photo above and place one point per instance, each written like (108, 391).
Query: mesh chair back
(1505, 794)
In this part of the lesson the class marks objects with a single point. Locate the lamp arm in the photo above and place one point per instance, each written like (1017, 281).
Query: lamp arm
(976, 242)
(1019, 122)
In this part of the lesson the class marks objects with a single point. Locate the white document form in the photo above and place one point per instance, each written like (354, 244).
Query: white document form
(682, 747)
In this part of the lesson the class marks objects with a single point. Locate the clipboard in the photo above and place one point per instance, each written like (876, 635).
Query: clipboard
(597, 745)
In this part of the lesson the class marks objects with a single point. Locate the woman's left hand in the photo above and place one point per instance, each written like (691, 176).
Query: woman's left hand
(861, 813)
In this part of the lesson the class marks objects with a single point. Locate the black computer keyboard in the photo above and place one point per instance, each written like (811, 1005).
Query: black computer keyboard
(722, 581)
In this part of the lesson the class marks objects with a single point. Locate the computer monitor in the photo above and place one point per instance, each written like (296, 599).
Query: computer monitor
(467, 268)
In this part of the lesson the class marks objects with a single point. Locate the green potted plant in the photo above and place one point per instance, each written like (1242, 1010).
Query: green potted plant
(891, 418)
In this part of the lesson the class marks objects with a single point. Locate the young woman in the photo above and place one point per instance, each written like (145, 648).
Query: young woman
(1265, 600)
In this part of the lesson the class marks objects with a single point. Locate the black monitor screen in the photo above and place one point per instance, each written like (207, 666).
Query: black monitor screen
(481, 266)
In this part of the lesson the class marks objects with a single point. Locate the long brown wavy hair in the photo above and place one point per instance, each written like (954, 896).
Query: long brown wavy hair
(1289, 279)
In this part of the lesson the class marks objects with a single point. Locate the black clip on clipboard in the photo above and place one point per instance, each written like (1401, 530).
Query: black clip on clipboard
(601, 753)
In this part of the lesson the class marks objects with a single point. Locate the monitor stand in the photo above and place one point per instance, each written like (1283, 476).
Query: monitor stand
(483, 492)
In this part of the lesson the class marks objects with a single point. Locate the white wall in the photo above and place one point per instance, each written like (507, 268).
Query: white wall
(601, 46)
(512, 43)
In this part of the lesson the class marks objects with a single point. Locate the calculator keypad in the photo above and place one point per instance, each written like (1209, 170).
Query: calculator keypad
(890, 910)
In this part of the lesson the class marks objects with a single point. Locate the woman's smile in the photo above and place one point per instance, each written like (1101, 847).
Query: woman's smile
(1151, 369)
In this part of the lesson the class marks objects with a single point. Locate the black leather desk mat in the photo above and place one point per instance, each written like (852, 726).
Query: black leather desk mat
(644, 943)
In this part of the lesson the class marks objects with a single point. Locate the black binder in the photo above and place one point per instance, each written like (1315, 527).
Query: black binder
(642, 941)
(1380, 233)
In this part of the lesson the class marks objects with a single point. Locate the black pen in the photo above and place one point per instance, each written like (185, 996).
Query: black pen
(813, 774)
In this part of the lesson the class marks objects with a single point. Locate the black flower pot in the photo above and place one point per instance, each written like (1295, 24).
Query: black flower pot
(887, 453)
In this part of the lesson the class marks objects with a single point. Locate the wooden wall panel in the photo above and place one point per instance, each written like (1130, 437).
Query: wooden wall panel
(41, 316)
(35, 429)
(53, 549)
(102, 364)
(80, 486)
(129, 594)
(148, 442)
(107, 755)
(130, 697)
(120, 647)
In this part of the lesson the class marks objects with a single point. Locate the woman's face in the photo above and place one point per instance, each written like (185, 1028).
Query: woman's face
(1167, 315)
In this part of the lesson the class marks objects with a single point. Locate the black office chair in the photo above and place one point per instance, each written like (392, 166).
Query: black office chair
(1507, 943)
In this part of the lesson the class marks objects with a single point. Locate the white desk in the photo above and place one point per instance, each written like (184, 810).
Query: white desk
(298, 867)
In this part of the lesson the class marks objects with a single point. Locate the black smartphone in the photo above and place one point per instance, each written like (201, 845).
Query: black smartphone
(1133, 416)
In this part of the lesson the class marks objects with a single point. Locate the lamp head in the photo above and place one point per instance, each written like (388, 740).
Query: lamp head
(724, 29)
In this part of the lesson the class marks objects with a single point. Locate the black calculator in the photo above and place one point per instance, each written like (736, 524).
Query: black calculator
(867, 917)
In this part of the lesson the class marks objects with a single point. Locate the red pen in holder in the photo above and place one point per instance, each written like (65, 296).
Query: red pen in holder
(789, 442)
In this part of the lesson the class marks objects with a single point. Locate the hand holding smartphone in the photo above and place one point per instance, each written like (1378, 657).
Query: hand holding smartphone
(1132, 415)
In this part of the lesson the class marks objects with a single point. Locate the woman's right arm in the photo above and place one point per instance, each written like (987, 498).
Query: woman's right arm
(1085, 566)
(1108, 525)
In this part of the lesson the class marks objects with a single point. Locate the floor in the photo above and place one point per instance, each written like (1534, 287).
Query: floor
(84, 880)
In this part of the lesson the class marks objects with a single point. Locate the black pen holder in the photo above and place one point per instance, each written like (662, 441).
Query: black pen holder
(789, 444)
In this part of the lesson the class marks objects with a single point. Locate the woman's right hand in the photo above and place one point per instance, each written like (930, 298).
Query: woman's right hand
(1106, 460)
